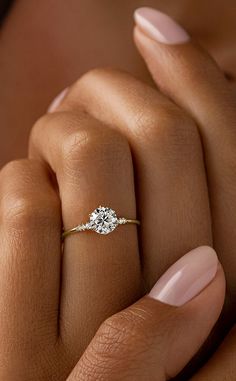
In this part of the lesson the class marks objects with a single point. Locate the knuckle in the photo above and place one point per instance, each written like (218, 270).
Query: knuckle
(81, 148)
(166, 124)
(40, 124)
(75, 146)
(52, 125)
(96, 74)
(16, 210)
(41, 132)
(11, 168)
(23, 201)
(20, 212)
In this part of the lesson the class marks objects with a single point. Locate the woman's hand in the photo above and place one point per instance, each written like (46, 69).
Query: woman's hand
(197, 96)
(190, 78)
(112, 141)
(51, 306)
(152, 340)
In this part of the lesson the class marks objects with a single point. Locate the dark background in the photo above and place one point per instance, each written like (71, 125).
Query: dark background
(4, 6)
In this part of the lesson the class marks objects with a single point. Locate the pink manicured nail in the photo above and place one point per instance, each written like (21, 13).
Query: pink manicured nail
(187, 277)
(160, 26)
(56, 102)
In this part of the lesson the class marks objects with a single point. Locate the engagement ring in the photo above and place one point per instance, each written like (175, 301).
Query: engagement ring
(103, 220)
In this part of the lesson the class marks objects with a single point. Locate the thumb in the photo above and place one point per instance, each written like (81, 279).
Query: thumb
(158, 335)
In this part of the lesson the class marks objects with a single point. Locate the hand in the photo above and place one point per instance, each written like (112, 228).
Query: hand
(196, 91)
(152, 340)
(87, 154)
(199, 97)
(51, 306)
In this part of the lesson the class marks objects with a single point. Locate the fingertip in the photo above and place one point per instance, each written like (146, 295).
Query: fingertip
(187, 277)
(160, 26)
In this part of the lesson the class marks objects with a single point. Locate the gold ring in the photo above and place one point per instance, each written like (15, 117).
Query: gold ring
(103, 220)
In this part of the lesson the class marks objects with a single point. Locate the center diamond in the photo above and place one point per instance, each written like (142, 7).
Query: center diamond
(103, 220)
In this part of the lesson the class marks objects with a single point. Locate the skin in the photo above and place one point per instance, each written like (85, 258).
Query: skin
(141, 342)
(56, 140)
(64, 302)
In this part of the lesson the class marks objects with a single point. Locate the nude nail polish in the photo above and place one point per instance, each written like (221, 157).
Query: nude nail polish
(160, 27)
(187, 277)
(57, 101)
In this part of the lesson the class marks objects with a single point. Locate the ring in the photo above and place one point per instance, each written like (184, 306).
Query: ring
(103, 220)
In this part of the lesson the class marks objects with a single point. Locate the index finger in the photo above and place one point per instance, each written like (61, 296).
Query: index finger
(190, 77)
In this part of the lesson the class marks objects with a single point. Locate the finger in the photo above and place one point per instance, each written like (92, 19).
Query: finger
(93, 166)
(192, 79)
(171, 188)
(29, 257)
(142, 342)
(222, 365)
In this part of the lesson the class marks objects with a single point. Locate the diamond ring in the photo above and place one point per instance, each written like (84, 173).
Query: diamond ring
(103, 220)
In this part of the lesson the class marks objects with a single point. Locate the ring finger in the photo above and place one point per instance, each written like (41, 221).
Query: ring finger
(93, 166)
(171, 187)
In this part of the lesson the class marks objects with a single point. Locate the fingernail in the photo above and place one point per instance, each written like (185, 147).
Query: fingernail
(57, 101)
(187, 277)
(160, 26)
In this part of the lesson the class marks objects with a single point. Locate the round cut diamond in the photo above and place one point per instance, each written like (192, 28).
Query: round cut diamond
(103, 220)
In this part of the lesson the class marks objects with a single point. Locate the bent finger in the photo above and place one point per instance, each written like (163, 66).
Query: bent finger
(190, 77)
(170, 181)
(93, 166)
